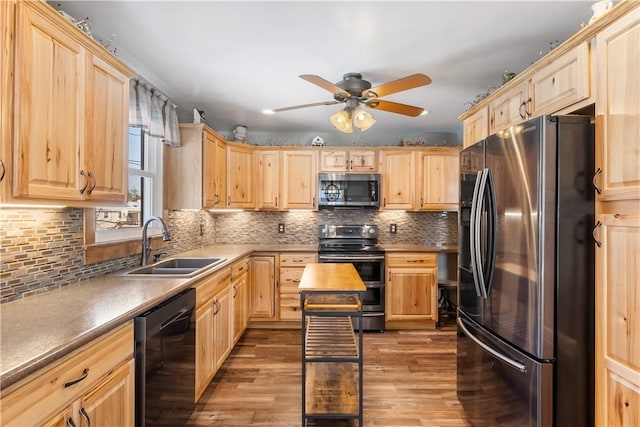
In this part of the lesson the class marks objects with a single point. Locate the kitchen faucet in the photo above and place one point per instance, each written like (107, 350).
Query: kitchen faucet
(146, 241)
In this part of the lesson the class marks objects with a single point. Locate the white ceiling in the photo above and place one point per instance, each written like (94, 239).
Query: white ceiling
(233, 59)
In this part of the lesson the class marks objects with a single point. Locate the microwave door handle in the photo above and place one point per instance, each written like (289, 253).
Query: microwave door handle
(478, 232)
(472, 233)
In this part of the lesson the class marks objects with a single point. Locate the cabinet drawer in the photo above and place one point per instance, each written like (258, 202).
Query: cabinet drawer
(209, 286)
(298, 259)
(289, 294)
(49, 390)
(412, 259)
(291, 276)
(239, 268)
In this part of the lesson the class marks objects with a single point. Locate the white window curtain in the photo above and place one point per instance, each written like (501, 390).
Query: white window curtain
(154, 113)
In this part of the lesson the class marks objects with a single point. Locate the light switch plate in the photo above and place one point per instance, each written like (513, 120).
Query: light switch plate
(281, 227)
(393, 229)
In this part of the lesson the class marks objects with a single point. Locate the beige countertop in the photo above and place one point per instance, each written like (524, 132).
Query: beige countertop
(39, 329)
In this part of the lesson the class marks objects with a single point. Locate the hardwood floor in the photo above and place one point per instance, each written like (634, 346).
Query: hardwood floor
(409, 380)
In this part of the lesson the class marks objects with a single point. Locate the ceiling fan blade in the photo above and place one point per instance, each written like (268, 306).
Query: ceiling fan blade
(324, 84)
(394, 107)
(405, 83)
(295, 107)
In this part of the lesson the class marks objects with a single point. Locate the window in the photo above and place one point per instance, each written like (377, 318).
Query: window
(145, 192)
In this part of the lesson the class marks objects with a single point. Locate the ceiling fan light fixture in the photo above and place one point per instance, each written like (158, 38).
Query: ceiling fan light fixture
(362, 119)
(342, 121)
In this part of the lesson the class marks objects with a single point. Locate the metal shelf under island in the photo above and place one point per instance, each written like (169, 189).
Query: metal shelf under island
(332, 365)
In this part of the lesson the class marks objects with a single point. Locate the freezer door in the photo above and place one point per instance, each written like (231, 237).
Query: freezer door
(498, 385)
(469, 294)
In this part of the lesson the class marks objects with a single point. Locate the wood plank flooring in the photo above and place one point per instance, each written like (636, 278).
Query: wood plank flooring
(409, 380)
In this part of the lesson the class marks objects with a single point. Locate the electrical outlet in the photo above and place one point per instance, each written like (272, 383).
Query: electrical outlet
(281, 227)
(393, 229)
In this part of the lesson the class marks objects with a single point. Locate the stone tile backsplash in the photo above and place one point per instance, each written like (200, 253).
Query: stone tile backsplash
(42, 249)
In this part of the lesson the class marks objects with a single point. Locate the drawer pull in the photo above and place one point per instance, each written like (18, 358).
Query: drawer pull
(86, 416)
(593, 180)
(85, 373)
(70, 422)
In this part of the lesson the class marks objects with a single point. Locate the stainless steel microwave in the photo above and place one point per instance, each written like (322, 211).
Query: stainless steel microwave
(349, 190)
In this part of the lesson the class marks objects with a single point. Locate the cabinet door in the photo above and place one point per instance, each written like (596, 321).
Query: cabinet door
(269, 180)
(209, 193)
(7, 12)
(289, 294)
(363, 161)
(205, 349)
(476, 127)
(111, 403)
(411, 294)
(509, 109)
(49, 125)
(220, 172)
(105, 132)
(398, 180)
(562, 83)
(618, 109)
(240, 299)
(618, 321)
(439, 182)
(222, 325)
(299, 179)
(240, 177)
(262, 298)
(334, 161)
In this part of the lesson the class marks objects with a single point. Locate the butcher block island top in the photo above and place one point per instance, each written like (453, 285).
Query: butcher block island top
(327, 277)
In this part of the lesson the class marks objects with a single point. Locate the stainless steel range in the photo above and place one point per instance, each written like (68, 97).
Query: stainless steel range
(358, 245)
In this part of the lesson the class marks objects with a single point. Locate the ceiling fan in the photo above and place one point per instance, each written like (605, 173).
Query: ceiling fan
(353, 90)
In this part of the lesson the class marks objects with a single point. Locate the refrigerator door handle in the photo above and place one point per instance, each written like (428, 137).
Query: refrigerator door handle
(473, 230)
(493, 232)
(476, 237)
(507, 360)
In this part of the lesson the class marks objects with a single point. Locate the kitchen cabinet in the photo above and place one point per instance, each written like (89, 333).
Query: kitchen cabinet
(7, 13)
(438, 180)
(617, 232)
(70, 145)
(213, 336)
(200, 161)
(299, 179)
(240, 176)
(348, 161)
(291, 268)
(509, 109)
(476, 127)
(240, 297)
(262, 286)
(411, 292)
(398, 179)
(92, 385)
(269, 179)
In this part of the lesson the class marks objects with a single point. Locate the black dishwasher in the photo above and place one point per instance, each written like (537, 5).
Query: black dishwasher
(165, 362)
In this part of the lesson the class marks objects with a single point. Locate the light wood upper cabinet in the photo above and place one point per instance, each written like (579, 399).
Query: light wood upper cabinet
(71, 103)
(509, 109)
(7, 13)
(439, 180)
(563, 82)
(398, 179)
(476, 127)
(269, 186)
(240, 176)
(348, 161)
(299, 179)
(200, 161)
(618, 109)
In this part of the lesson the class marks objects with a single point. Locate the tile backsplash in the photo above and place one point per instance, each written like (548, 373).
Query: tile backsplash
(42, 249)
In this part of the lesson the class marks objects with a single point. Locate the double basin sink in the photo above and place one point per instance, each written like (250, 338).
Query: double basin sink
(176, 267)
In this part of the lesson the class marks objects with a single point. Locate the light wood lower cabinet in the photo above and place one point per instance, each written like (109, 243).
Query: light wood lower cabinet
(262, 286)
(213, 327)
(291, 268)
(411, 290)
(94, 385)
(240, 297)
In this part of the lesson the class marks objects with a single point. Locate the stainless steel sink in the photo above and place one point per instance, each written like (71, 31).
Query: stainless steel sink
(176, 267)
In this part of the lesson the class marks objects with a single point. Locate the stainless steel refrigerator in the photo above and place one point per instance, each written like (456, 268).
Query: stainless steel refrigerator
(526, 275)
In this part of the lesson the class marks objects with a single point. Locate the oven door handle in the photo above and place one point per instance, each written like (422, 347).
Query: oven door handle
(350, 258)
(374, 285)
